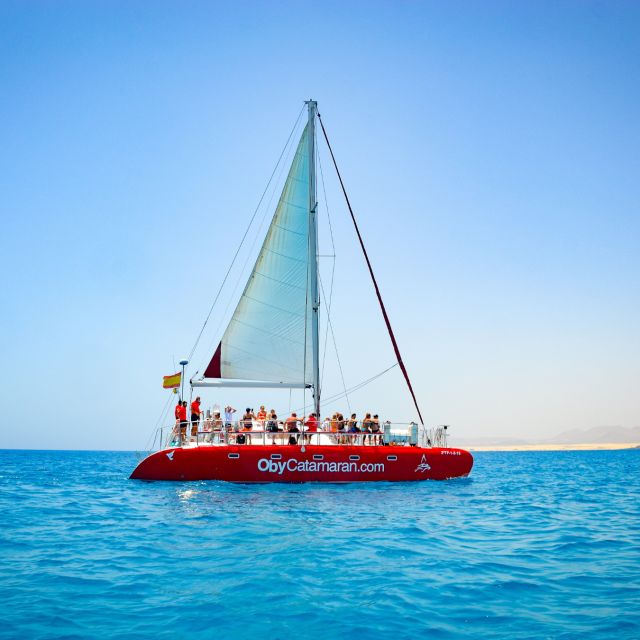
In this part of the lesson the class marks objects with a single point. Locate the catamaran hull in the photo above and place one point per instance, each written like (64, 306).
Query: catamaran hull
(317, 463)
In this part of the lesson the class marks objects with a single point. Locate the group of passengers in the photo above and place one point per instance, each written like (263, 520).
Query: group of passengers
(346, 431)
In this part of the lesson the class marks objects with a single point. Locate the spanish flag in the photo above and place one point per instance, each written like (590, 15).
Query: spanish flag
(171, 382)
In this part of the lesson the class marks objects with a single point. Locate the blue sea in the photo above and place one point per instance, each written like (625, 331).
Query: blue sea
(532, 545)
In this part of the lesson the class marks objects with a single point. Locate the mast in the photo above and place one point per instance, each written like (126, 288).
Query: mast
(313, 255)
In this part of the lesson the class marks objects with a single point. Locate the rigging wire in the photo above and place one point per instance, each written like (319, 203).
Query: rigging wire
(244, 237)
(163, 413)
(333, 268)
(306, 322)
(278, 164)
(250, 253)
(335, 346)
(373, 278)
(159, 422)
(358, 386)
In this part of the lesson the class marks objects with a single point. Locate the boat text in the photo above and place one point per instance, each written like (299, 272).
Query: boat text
(279, 467)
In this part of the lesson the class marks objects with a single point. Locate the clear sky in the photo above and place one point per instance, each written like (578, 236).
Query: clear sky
(490, 149)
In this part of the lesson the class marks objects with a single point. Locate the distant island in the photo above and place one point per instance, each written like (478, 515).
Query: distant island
(607, 437)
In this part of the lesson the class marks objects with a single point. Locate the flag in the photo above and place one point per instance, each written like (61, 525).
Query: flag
(171, 382)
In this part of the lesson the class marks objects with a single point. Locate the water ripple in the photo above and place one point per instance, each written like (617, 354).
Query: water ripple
(533, 545)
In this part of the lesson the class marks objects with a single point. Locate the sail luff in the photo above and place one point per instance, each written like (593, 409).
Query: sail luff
(265, 337)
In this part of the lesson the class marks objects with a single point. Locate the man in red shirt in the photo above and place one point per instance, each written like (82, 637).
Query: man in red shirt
(195, 417)
(176, 413)
(312, 426)
(181, 410)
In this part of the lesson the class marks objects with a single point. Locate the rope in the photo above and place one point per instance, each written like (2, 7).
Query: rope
(335, 346)
(358, 386)
(333, 270)
(159, 421)
(250, 254)
(373, 278)
(244, 237)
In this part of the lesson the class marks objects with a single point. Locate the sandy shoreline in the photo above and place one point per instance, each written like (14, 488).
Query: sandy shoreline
(609, 446)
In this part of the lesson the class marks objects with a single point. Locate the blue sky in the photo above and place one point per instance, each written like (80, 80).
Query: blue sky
(490, 151)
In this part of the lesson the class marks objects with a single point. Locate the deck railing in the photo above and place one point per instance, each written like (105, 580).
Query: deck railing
(390, 434)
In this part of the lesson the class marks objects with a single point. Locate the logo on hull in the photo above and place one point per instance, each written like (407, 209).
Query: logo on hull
(423, 466)
(293, 465)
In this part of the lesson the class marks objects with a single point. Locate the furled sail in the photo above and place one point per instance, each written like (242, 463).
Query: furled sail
(269, 335)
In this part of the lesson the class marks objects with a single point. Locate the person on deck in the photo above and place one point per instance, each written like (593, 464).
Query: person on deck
(176, 414)
(175, 434)
(342, 429)
(247, 422)
(217, 426)
(312, 427)
(353, 429)
(228, 417)
(272, 425)
(366, 428)
(195, 417)
(181, 410)
(261, 416)
(291, 424)
(207, 426)
(375, 429)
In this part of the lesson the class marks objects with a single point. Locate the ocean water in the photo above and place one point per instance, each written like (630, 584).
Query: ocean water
(532, 545)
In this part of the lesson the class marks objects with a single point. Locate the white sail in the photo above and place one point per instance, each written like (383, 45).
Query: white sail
(269, 335)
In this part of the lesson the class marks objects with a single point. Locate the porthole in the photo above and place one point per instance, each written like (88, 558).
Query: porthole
(276, 456)
(318, 456)
(354, 458)
(234, 456)
(392, 458)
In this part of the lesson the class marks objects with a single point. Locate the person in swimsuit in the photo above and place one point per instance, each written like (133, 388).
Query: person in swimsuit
(247, 423)
(291, 424)
(272, 425)
(366, 428)
(375, 429)
(352, 428)
(342, 429)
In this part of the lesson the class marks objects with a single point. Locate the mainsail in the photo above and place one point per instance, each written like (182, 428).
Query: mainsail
(269, 337)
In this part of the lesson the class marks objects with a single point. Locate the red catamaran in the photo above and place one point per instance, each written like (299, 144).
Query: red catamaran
(272, 341)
